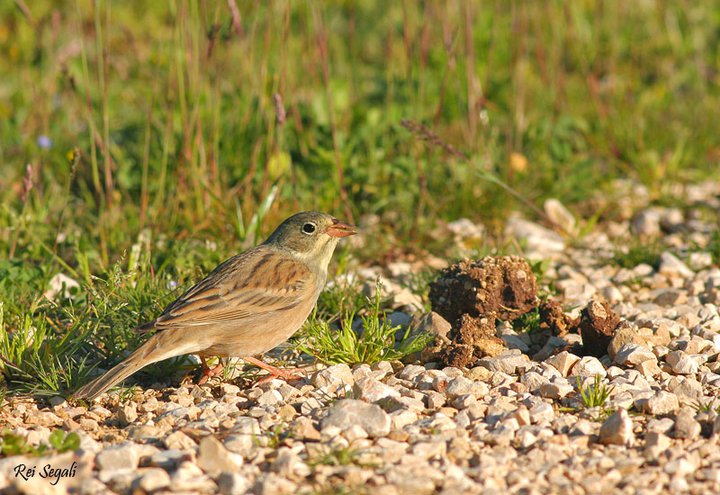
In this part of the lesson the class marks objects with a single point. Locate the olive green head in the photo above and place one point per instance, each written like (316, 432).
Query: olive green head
(310, 236)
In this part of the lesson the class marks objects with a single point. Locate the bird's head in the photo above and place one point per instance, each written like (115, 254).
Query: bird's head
(311, 236)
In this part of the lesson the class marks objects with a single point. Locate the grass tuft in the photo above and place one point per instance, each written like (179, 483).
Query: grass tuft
(595, 395)
(12, 444)
(369, 339)
(638, 253)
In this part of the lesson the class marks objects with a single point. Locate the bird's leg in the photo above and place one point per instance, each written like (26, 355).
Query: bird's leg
(288, 374)
(208, 372)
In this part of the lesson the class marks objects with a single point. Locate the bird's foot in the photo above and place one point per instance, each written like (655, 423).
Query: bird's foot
(286, 374)
(208, 372)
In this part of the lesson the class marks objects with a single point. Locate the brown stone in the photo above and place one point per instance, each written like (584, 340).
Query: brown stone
(597, 326)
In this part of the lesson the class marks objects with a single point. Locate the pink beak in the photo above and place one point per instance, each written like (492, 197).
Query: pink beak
(340, 229)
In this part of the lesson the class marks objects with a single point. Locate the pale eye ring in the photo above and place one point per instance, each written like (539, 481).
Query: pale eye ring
(309, 228)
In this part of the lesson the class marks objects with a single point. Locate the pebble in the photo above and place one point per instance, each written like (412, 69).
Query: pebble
(151, 480)
(617, 429)
(118, 457)
(659, 404)
(213, 457)
(588, 366)
(563, 362)
(634, 355)
(348, 412)
(371, 390)
(686, 427)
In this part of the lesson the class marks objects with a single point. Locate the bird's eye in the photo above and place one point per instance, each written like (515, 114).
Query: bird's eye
(308, 228)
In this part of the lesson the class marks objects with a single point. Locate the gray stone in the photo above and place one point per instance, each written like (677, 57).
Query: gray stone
(537, 238)
(681, 363)
(168, 459)
(556, 389)
(686, 427)
(127, 414)
(558, 213)
(656, 443)
(214, 458)
(507, 362)
(617, 429)
(646, 223)
(433, 324)
(371, 390)
(515, 342)
(179, 440)
(233, 483)
(633, 355)
(588, 366)
(671, 266)
(700, 260)
(563, 362)
(347, 412)
(541, 413)
(459, 386)
(122, 456)
(612, 294)
(659, 404)
(333, 377)
(152, 479)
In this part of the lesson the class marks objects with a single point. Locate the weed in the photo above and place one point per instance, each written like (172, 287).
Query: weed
(706, 406)
(276, 436)
(713, 247)
(374, 339)
(638, 253)
(60, 441)
(595, 395)
(335, 456)
(527, 322)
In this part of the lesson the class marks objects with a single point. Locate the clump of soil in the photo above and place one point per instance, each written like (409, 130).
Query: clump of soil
(554, 320)
(504, 287)
(472, 295)
(597, 326)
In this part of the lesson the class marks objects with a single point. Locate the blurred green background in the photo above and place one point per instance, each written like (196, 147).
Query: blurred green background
(171, 108)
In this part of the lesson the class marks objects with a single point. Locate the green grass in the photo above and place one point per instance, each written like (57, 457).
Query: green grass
(595, 395)
(373, 341)
(60, 441)
(335, 456)
(143, 143)
(636, 253)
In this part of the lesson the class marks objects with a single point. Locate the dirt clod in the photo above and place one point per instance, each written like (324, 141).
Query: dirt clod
(504, 287)
(597, 326)
(554, 319)
(472, 295)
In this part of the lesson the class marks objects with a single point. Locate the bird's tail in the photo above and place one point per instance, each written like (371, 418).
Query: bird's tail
(144, 355)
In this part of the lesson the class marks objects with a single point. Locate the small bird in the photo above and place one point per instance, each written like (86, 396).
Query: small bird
(246, 306)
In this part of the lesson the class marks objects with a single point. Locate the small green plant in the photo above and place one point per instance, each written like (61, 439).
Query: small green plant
(275, 436)
(339, 297)
(638, 253)
(375, 341)
(60, 441)
(528, 322)
(706, 407)
(713, 247)
(335, 456)
(595, 395)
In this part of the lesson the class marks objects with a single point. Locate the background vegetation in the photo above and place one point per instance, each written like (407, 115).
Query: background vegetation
(143, 142)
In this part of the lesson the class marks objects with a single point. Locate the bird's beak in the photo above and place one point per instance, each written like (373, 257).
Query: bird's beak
(340, 229)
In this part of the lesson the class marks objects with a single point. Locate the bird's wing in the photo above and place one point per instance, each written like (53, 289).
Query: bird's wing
(252, 284)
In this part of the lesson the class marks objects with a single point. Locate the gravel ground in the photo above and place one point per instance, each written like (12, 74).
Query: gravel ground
(513, 422)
